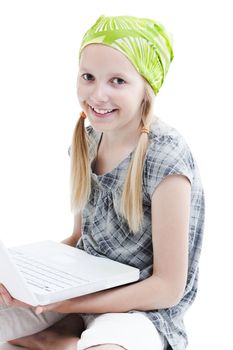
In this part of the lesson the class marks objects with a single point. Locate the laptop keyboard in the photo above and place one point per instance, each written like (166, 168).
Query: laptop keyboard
(43, 276)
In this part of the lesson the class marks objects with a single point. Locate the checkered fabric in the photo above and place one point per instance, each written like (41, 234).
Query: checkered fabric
(106, 233)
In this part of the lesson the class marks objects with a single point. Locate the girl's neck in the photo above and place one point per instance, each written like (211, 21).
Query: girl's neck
(126, 138)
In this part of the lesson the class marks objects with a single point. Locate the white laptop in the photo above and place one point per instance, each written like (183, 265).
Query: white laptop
(46, 272)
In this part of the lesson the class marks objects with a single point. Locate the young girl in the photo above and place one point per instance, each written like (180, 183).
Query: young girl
(137, 198)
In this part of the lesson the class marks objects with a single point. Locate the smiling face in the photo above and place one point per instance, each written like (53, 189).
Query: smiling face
(110, 90)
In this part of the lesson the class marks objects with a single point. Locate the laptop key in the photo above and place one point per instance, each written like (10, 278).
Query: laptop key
(43, 276)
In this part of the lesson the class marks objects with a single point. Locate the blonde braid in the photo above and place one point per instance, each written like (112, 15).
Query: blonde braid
(80, 174)
(131, 199)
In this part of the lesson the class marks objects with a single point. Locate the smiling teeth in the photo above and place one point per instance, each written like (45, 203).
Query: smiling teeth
(102, 111)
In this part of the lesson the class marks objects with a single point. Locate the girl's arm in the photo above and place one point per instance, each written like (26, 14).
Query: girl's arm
(73, 239)
(170, 227)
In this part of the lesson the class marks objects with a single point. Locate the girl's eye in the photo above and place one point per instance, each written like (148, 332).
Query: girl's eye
(119, 81)
(87, 76)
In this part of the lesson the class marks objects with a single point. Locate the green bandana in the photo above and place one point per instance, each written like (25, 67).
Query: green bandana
(145, 42)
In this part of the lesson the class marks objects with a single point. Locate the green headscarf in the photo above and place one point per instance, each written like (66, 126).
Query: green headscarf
(145, 42)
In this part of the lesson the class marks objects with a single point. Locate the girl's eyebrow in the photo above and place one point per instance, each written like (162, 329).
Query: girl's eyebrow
(83, 69)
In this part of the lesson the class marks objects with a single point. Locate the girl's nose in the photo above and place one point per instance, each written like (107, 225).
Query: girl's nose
(99, 93)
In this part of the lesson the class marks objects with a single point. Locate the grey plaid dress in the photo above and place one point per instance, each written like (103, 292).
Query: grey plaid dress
(106, 233)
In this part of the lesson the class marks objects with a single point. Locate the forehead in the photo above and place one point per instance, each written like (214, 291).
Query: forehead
(100, 55)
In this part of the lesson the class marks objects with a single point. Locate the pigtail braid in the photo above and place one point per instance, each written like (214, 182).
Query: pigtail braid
(80, 174)
(131, 200)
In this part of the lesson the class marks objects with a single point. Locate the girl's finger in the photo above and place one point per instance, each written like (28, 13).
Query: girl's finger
(5, 300)
(2, 300)
(9, 300)
(2, 288)
(4, 291)
(39, 310)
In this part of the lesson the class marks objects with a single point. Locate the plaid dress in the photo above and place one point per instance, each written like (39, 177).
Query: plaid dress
(106, 233)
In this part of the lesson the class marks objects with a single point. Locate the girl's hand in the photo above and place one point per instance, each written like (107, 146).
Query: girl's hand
(8, 300)
(61, 307)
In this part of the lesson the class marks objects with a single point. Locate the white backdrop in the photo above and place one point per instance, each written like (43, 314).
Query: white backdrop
(39, 108)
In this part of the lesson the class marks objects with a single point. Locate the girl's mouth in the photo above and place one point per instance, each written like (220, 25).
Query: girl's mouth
(101, 113)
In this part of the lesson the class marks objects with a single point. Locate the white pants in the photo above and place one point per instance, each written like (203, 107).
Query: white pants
(132, 331)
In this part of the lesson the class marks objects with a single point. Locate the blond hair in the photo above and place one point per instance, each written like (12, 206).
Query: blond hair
(80, 175)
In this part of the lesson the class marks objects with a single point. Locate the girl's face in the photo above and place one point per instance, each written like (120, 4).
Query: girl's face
(110, 90)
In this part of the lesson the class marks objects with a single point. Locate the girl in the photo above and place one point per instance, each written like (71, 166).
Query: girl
(137, 198)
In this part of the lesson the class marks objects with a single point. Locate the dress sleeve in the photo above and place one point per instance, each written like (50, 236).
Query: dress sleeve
(167, 155)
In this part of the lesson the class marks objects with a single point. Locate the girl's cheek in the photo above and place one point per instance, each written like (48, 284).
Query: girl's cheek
(83, 91)
(82, 94)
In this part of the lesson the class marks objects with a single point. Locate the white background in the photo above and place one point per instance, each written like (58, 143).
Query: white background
(39, 108)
